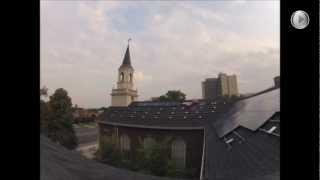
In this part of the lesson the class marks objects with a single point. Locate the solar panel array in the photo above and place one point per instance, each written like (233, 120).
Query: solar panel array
(251, 113)
(166, 114)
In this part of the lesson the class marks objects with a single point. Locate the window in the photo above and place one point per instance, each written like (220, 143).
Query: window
(121, 76)
(130, 77)
(178, 153)
(124, 143)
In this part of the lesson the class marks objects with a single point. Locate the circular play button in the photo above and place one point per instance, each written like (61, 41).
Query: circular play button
(300, 19)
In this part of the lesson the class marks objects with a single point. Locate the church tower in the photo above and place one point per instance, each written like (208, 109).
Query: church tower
(124, 94)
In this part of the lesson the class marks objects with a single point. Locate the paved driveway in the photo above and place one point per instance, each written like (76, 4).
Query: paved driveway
(87, 138)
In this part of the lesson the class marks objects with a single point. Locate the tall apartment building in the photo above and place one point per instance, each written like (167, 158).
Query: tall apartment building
(224, 85)
(209, 88)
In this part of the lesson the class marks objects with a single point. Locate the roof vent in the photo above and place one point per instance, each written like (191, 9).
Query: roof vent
(229, 141)
(271, 130)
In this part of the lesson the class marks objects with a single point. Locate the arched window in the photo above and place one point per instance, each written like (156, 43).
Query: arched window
(124, 143)
(121, 76)
(178, 153)
(131, 77)
(148, 142)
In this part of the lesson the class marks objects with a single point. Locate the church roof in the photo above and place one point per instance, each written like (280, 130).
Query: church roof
(242, 138)
(224, 116)
(126, 60)
(185, 115)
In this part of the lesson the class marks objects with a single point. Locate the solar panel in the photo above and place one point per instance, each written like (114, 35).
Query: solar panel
(259, 109)
(187, 103)
(251, 113)
(148, 104)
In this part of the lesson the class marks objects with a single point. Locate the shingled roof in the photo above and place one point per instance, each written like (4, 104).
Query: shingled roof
(58, 163)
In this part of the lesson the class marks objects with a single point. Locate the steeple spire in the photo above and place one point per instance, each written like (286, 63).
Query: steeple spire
(124, 94)
(127, 60)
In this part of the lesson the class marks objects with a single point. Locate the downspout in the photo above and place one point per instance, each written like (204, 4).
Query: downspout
(202, 170)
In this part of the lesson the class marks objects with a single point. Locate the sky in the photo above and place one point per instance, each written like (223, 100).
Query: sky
(175, 46)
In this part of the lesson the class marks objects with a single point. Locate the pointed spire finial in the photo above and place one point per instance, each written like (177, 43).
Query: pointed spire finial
(126, 60)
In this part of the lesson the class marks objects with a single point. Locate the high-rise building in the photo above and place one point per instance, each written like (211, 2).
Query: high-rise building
(124, 94)
(224, 85)
(210, 88)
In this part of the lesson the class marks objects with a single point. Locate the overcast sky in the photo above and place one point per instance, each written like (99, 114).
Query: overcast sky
(175, 45)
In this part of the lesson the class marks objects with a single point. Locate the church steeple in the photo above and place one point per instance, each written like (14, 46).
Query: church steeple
(124, 94)
(127, 59)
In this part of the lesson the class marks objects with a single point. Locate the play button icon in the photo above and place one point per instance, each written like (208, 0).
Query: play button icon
(300, 19)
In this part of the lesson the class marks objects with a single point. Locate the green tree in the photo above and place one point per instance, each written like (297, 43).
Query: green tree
(58, 126)
(154, 158)
(173, 95)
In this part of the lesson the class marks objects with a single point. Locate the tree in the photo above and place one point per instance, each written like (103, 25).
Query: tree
(44, 111)
(58, 123)
(44, 92)
(173, 95)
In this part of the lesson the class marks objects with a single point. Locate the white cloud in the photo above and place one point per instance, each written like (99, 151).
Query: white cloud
(140, 76)
(180, 44)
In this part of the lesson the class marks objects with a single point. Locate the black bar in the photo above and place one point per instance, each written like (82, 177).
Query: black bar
(299, 93)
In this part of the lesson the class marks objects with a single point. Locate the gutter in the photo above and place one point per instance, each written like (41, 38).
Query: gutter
(152, 126)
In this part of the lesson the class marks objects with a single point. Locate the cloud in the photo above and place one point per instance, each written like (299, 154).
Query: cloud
(176, 45)
(140, 76)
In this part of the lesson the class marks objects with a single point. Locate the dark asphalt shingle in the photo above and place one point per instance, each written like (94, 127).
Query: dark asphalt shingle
(58, 163)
